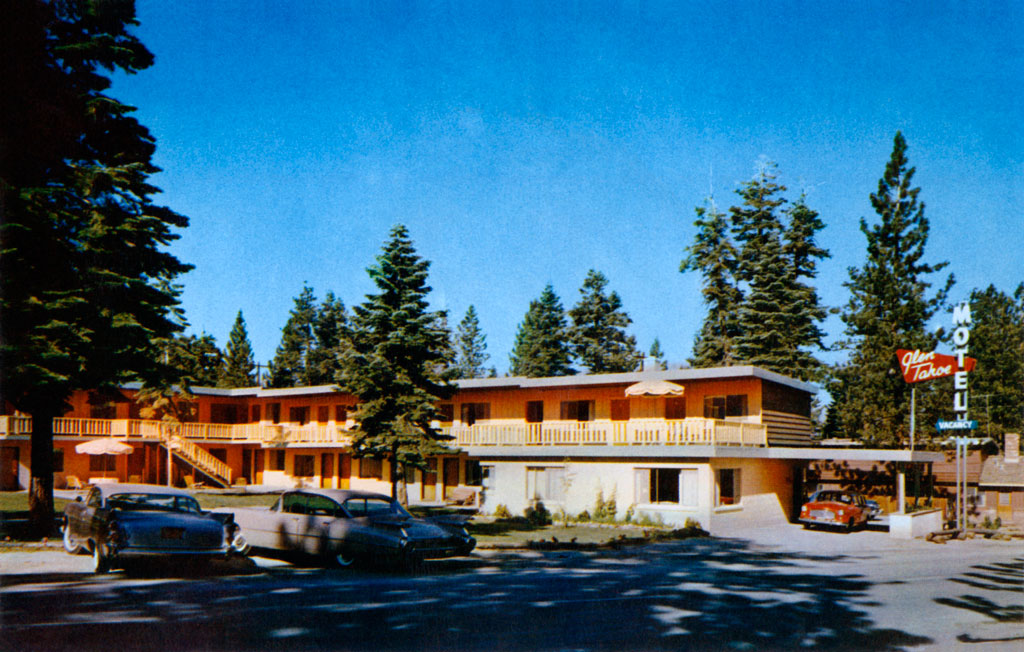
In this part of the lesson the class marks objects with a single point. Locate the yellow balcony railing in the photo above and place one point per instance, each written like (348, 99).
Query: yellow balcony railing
(636, 432)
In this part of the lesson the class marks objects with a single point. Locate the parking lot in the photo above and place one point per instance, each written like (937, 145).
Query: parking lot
(781, 588)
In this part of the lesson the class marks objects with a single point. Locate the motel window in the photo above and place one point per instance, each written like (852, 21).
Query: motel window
(720, 407)
(446, 412)
(323, 414)
(370, 468)
(674, 486)
(299, 415)
(255, 414)
(304, 466)
(341, 413)
(470, 413)
(474, 473)
(620, 409)
(975, 498)
(58, 460)
(675, 407)
(223, 413)
(728, 487)
(545, 483)
(275, 460)
(106, 410)
(1004, 498)
(534, 411)
(103, 463)
(577, 411)
(274, 412)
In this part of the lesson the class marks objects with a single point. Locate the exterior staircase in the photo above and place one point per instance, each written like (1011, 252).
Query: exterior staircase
(188, 452)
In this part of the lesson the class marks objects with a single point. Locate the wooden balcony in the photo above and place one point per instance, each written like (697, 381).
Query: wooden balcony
(636, 432)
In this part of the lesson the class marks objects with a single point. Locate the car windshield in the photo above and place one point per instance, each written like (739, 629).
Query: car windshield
(153, 502)
(833, 497)
(375, 507)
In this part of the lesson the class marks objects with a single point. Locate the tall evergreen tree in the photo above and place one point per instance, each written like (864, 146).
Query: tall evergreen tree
(470, 347)
(239, 363)
(806, 312)
(330, 332)
(394, 362)
(890, 306)
(997, 343)
(541, 348)
(764, 315)
(87, 283)
(195, 361)
(289, 368)
(597, 336)
(714, 255)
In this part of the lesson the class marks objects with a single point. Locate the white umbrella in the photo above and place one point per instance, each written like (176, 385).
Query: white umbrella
(105, 446)
(654, 388)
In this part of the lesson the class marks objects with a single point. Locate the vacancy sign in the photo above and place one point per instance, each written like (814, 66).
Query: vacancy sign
(918, 366)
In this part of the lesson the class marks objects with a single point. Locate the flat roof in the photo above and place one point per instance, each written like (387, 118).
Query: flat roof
(704, 451)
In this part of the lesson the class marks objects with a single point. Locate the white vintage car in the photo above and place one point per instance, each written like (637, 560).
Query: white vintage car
(341, 526)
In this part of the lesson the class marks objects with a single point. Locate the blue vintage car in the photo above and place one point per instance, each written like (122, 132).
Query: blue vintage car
(120, 523)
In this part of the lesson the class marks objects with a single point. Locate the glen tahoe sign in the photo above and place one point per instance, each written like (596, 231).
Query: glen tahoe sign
(918, 366)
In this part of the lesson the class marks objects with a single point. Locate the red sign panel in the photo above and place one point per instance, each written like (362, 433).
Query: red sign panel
(918, 366)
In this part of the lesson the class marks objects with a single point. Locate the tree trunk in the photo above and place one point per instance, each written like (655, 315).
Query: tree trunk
(40, 495)
(393, 461)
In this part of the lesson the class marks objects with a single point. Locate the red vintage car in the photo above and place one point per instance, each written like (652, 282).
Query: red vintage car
(845, 509)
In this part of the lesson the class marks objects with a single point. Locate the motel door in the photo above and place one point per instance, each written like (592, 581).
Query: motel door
(258, 463)
(326, 470)
(247, 464)
(344, 470)
(451, 475)
(429, 491)
(9, 468)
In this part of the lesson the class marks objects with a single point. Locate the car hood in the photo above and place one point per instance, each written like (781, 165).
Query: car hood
(414, 528)
(166, 519)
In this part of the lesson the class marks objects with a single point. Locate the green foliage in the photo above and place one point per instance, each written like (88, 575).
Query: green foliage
(239, 363)
(88, 284)
(890, 306)
(501, 512)
(538, 515)
(605, 509)
(541, 348)
(597, 337)
(646, 520)
(470, 347)
(393, 363)
(312, 342)
(657, 355)
(997, 342)
(583, 517)
(194, 361)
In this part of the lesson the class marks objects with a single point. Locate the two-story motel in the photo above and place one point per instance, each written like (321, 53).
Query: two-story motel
(725, 446)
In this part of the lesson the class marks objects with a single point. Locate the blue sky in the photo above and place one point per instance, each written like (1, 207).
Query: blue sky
(526, 143)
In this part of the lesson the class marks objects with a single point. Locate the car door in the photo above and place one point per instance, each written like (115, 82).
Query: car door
(293, 520)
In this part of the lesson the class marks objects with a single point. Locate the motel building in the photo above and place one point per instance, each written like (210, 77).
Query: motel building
(727, 447)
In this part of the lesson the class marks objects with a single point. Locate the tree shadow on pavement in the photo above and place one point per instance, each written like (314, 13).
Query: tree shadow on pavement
(997, 577)
(695, 594)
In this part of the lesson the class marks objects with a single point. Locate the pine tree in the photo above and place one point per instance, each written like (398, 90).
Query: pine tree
(657, 355)
(330, 333)
(997, 343)
(239, 363)
(541, 348)
(714, 255)
(764, 314)
(470, 347)
(597, 336)
(289, 366)
(87, 282)
(806, 312)
(195, 361)
(889, 308)
(394, 362)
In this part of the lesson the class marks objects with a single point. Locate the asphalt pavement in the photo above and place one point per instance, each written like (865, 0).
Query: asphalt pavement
(782, 589)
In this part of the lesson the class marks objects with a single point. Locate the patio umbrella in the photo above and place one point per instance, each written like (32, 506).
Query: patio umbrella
(654, 388)
(105, 446)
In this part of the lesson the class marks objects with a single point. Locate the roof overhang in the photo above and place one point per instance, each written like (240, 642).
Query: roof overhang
(701, 451)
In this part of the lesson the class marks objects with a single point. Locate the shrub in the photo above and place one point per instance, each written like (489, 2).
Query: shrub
(583, 517)
(538, 514)
(502, 512)
(630, 514)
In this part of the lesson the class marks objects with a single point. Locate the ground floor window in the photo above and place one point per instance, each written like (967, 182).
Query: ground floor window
(370, 468)
(474, 473)
(545, 483)
(1004, 499)
(728, 487)
(305, 466)
(58, 460)
(671, 486)
(275, 460)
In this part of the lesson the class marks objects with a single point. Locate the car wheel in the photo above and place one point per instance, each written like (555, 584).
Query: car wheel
(70, 546)
(852, 523)
(100, 561)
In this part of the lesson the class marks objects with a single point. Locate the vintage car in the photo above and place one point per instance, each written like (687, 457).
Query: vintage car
(341, 526)
(846, 509)
(121, 523)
